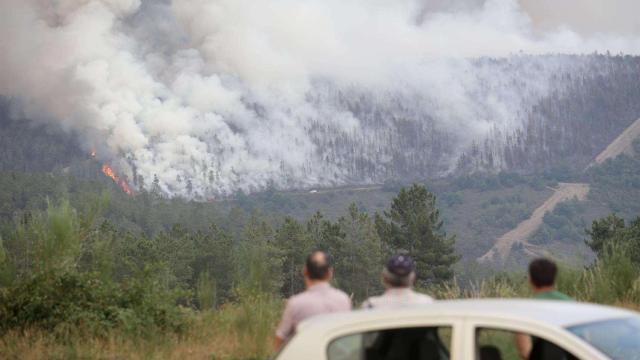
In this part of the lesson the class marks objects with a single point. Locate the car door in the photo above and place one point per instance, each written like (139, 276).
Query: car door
(497, 339)
(410, 338)
(424, 341)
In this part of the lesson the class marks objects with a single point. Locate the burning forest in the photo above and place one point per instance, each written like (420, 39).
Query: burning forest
(121, 182)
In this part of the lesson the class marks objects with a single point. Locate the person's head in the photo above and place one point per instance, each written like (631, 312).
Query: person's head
(318, 267)
(542, 273)
(399, 272)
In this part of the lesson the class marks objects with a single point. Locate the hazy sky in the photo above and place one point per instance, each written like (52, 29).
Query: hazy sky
(583, 16)
(586, 16)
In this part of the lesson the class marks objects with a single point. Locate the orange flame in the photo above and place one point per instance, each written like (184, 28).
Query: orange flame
(107, 170)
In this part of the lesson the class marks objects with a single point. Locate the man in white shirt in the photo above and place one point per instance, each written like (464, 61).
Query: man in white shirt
(398, 277)
(319, 297)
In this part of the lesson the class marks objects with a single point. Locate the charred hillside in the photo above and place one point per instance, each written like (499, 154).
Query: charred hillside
(524, 113)
(570, 126)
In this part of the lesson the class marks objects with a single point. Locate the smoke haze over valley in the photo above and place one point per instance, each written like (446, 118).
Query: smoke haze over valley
(216, 96)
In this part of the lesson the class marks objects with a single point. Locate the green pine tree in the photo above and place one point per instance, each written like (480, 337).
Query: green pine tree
(413, 225)
(359, 262)
(293, 241)
(258, 260)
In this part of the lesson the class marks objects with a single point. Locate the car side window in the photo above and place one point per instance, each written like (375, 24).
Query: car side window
(413, 343)
(497, 344)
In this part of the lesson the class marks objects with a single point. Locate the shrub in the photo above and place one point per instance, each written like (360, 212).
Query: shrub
(69, 303)
(613, 278)
(254, 320)
(206, 291)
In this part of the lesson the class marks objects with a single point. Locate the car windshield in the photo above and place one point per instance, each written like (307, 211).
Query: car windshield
(617, 338)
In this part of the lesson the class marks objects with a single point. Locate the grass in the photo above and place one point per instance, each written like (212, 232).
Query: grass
(612, 279)
(233, 332)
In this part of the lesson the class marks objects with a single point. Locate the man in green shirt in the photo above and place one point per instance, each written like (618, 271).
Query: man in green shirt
(542, 279)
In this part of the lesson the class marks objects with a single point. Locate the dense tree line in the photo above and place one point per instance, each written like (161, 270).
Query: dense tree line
(62, 250)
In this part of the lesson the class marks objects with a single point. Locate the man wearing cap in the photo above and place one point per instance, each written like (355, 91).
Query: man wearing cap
(398, 277)
(319, 297)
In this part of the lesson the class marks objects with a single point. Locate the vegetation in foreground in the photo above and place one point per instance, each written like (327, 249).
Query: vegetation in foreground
(73, 286)
(243, 328)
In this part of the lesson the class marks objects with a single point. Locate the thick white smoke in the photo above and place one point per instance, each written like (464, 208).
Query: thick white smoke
(212, 96)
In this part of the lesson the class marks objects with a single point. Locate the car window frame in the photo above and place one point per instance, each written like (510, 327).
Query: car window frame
(555, 334)
(455, 324)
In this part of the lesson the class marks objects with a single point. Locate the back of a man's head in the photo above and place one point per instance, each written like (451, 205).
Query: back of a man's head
(318, 265)
(542, 273)
(399, 272)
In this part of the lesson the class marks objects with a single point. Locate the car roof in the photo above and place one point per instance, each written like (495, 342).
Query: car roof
(558, 313)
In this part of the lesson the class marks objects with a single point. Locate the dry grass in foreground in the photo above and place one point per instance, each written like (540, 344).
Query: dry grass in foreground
(233, 332)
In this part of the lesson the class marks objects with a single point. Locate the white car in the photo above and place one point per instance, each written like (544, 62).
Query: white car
(470, 330)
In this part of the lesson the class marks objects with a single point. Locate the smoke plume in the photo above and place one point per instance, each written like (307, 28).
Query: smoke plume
(212, 96)
(588, 17)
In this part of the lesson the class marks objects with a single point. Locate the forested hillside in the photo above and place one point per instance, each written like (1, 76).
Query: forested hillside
(555, 110)
(569, 126)
(477, 209)
(30, 147)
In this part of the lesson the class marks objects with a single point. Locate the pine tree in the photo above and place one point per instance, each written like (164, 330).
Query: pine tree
(213, 262)
(258, 260)
(324, 235)
(359, 262)
(292, 240)
(413, 225)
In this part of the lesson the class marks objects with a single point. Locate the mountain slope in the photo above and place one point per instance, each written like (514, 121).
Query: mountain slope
(26, 146)
(568, 127)
(500, 251)
(623, 144)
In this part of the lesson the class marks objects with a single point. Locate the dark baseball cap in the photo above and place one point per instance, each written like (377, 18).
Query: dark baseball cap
(401, 265)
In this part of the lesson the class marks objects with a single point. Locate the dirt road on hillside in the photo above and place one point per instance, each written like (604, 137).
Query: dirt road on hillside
(335, 190)
(501, 249)
(622, 144)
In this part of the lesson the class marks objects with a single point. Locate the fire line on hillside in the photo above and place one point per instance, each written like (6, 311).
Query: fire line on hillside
(122, 183)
